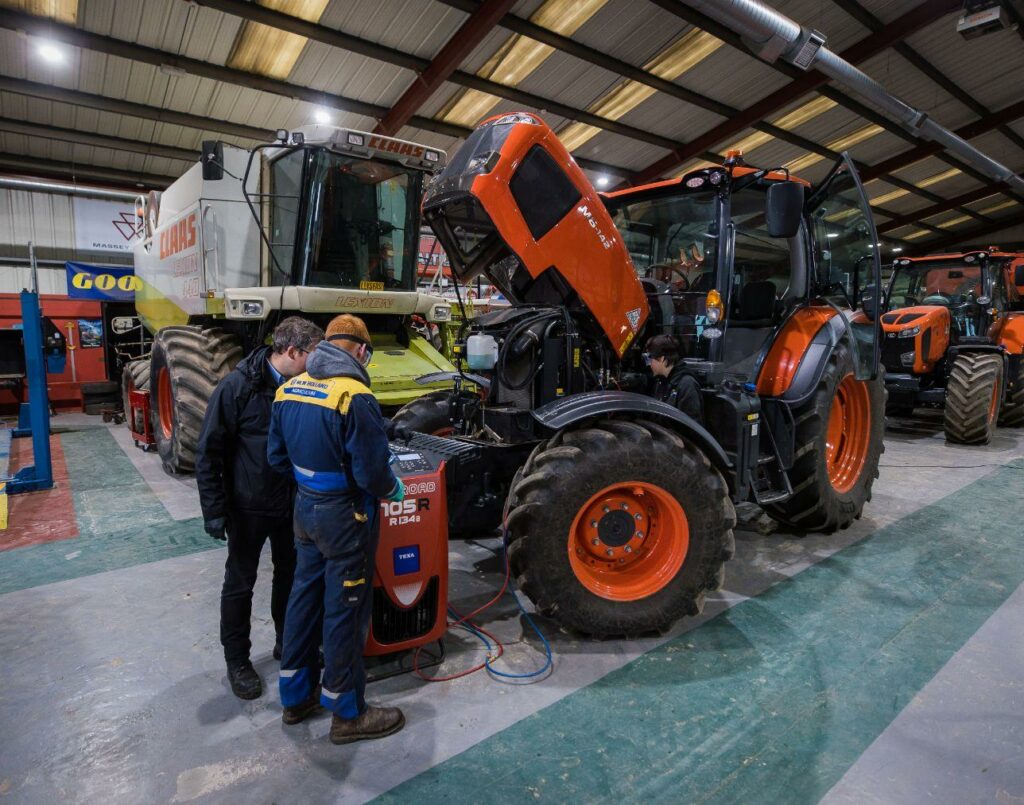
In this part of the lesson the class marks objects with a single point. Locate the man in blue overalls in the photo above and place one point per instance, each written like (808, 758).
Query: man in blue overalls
(328, 432)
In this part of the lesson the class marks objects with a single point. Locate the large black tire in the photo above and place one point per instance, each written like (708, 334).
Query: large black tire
(187, 364)
(427, 414)
(972, 397)
(559, 482)
(1011, 415)
(825, 501)
(134, 377)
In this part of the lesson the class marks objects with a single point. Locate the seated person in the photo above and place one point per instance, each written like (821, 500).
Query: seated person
(672, 382)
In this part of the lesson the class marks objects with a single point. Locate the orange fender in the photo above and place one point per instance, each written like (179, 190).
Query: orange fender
(1009, 332)
(783, 359)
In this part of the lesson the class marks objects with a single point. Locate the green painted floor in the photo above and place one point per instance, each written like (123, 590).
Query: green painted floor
(121, 523)
(773, 700)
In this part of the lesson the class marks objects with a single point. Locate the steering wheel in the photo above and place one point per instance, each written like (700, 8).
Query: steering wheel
(937, 299)
(675, 268)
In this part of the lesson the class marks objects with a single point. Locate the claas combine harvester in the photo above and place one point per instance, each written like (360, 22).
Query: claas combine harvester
(322, 221)
(953, 335)
(620, 508)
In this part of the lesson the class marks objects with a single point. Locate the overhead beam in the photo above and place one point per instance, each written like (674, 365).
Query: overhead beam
(946, 205)
(914, 20)
(969, 236)
(79, 137)
(1007, 114)
(871, 22)
(480, 23)
(22, 165)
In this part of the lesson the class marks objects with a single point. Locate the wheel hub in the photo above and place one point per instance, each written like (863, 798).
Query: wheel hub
(615, 529)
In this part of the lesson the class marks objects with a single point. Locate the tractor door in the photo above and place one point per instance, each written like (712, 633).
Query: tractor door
(845, 257)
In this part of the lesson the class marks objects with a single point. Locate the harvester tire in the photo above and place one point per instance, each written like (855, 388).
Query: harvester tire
(427, 414)
(839, 433)
(134, 377)
(188, 363)
(1011, 415)
(621, 475)
(972, 397)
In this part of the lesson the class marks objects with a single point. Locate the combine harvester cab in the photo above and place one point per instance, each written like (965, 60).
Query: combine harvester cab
(323, 221)
(953, 338)
(620, 507)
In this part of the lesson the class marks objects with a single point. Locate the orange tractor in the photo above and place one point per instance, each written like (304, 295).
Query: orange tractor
(953, 337)
(620, 508)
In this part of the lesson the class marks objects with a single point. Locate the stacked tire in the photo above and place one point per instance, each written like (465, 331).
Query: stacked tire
(187, 364)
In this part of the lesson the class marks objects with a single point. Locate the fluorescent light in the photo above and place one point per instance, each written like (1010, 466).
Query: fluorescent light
(322, 116)
(833, 234)
(602, 181)
(897, 248)
(51, 53)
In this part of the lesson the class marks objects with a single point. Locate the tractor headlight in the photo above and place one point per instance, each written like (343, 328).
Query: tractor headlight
(713, 307)
(441, 313)
(246, 309)
(910, 332)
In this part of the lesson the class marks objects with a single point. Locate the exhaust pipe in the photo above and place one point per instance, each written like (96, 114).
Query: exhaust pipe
(772, 36)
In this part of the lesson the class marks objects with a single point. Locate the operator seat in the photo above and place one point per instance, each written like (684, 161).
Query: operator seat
(756, 305)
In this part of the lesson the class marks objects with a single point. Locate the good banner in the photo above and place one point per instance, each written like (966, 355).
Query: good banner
(105, 284)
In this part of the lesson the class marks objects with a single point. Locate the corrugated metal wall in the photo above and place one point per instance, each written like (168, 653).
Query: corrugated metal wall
(47, 220)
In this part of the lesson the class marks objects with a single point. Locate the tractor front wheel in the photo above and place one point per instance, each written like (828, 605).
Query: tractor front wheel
(427, 414)
(839, 433)
(972, 397)
(187, 364)
(619, 529)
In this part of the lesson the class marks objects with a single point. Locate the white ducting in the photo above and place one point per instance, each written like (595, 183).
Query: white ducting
(772, 36)
(69, 188)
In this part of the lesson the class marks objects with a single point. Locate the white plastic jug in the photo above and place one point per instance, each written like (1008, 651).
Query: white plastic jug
(481, 352)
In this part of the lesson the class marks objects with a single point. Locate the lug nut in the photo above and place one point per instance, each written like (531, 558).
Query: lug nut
(627, 549)
(610, 552)
(593, 523)
(639, 534)
(625, 506)
(638, 516)
(606, 510)
(595, 541)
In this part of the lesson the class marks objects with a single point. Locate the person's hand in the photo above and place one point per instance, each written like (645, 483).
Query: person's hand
(399, 493)
(216, 528)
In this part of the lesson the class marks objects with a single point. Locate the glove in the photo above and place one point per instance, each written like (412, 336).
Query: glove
(399, 493)
(398, 433)
(216, 528)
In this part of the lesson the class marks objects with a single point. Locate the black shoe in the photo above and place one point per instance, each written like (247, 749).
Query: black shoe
(245, 682)
(277, 651)
(300, 712)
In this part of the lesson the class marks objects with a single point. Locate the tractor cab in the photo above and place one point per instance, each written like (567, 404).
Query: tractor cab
(730, 255)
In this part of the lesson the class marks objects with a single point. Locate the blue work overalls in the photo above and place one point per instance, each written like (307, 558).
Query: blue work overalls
(327, 430)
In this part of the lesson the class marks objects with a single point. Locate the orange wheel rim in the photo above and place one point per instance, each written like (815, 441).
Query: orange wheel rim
(165, 403)
(848, 435)
(628, 541)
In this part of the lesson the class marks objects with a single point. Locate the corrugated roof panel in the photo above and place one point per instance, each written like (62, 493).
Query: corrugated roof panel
(614, 149)
(988, 68)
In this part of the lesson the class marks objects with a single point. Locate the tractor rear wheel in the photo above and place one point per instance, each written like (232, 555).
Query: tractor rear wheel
(134, 377)
(1012, 413)
(839, 433)
(427, 414)
(619, 528)
(972, 397)
(187, 364)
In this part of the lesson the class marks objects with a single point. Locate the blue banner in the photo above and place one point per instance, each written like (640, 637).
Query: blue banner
(101, 283)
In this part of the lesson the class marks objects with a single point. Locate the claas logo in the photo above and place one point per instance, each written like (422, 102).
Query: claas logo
(395, 147)
(128, 283)
(178, 237)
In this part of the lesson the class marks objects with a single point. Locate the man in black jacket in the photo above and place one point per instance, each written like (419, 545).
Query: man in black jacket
(672, 383)
(244, 501)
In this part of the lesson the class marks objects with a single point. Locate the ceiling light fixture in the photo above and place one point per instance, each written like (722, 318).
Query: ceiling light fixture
(51, 53)
(322, 116)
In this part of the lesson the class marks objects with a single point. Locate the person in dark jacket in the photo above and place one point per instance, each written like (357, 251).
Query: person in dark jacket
(327, 432)
(672, 383)
(244, 501)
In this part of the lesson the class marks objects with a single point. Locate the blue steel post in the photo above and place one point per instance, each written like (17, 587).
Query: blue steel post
(40, 474)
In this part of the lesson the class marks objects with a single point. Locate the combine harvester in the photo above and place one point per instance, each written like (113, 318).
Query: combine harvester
(322, 221)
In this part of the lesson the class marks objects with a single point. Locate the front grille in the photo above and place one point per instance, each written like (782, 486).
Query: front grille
(393, 624)
(892, 348)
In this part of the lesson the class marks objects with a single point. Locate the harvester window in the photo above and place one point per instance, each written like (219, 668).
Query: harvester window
(285, 198)
(543, 193)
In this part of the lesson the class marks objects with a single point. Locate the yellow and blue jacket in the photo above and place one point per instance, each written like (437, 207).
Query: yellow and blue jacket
(327, 429)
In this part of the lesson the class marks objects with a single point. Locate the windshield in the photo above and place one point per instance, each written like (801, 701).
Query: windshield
(359, 227)
(956, 287)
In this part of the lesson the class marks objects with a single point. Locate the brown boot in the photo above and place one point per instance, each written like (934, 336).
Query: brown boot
(298, 713)
(375, 722)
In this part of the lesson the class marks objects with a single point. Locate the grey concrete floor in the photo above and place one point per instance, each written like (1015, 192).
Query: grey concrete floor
(112, 686)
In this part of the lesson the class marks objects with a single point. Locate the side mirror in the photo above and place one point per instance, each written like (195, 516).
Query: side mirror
(871, 302)
(213, 160)
(783, 209)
